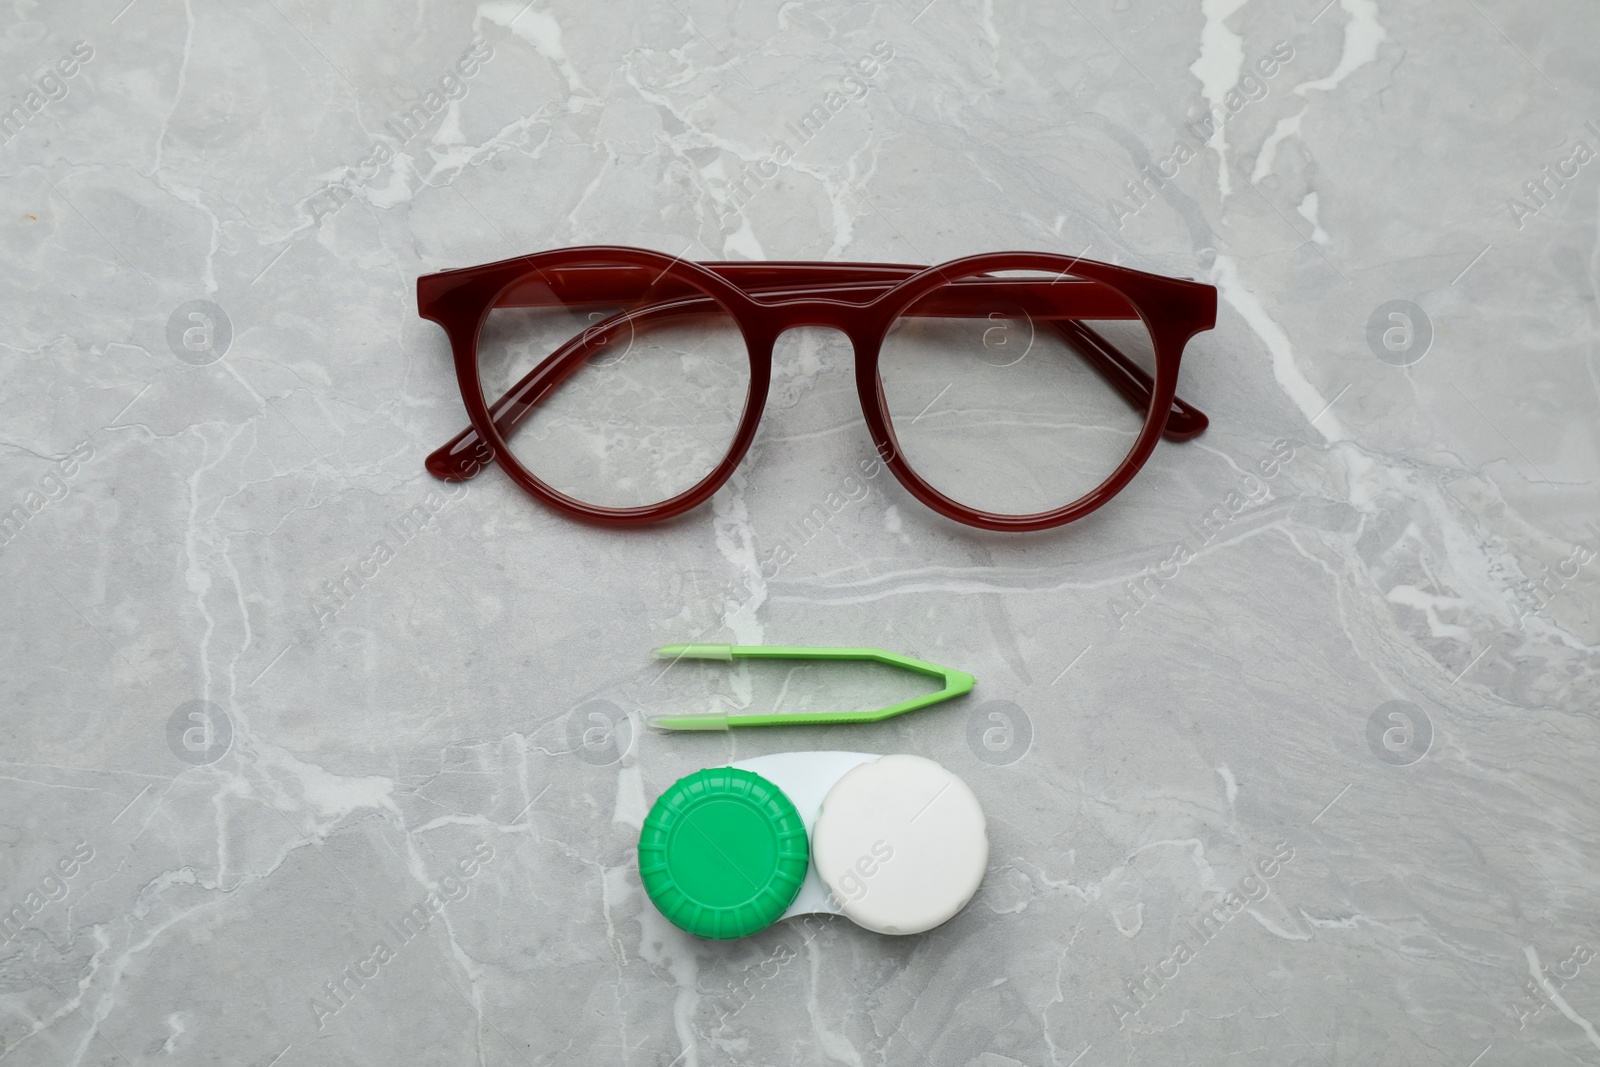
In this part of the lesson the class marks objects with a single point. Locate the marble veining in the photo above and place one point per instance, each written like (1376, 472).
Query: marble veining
(1287, 754)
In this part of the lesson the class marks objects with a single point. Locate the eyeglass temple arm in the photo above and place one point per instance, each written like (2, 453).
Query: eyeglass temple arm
(1184, 421)
(464, 454)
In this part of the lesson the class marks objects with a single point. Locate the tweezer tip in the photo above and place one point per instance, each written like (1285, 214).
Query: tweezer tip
(673, 723)
(694, 652)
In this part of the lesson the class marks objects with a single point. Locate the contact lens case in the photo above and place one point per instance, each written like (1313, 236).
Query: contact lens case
(897, 844)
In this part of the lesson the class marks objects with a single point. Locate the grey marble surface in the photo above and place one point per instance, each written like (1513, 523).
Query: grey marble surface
(1353, 683)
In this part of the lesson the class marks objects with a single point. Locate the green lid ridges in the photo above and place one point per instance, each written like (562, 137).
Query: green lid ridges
(722, 853)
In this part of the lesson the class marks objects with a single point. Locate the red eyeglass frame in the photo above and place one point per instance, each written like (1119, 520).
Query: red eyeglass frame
(862, 300)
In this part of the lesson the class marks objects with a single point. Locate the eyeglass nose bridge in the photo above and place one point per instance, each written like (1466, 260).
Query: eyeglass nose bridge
(862, 326)
(852, 320)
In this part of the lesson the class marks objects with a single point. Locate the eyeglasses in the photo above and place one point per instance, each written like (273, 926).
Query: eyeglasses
(1005, 391)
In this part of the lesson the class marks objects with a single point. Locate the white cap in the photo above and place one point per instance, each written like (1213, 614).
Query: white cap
(901, 844)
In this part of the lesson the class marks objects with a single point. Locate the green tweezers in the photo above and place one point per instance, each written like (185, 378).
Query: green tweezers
(955, 684)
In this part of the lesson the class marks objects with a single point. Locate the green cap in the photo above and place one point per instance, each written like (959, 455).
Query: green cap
(723, 852)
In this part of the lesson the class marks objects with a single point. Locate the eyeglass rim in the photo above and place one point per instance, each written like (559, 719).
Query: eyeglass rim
(1173, 310)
